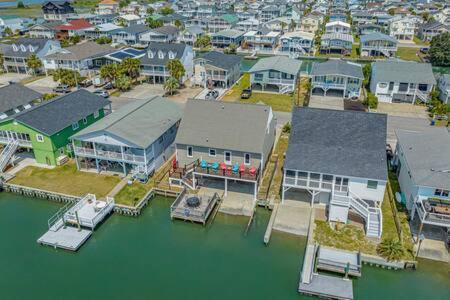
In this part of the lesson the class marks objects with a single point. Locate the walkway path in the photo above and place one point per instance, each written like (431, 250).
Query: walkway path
(118, 187)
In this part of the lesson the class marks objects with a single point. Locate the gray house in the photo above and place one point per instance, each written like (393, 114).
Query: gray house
(444, 88)
(336, 78)
(15, 98)
(225, 38)
(129, 35)
(137, 138)
(378, 44)
(338, 159)
(401, 81)
(278, 72)
(336, 42)
(223, 141)
(217, 69)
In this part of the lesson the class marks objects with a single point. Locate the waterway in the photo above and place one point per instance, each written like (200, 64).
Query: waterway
(151, 257)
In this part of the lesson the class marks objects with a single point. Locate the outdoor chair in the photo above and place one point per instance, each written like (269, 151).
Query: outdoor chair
(235, 169)
(203, 164)
(215, 167)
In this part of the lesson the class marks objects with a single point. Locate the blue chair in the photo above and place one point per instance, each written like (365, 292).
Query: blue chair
(235, 169)
(203, 164)
(215, 166)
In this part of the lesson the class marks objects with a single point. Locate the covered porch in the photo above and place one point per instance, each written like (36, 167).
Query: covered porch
(432, 211)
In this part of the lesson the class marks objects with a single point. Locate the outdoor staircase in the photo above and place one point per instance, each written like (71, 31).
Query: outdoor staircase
(8, 153)
(371, 215)
(285, 89)
(422, 96)
(187, 179)
(385, 53)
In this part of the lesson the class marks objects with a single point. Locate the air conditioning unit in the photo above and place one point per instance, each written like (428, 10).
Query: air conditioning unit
(62, 160)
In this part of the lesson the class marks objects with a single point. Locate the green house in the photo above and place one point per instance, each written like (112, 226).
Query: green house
(46, 128)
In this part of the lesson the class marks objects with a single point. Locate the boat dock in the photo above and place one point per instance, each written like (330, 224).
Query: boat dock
(339, 261)
(73, 224)
(193, 207)
(323, 286)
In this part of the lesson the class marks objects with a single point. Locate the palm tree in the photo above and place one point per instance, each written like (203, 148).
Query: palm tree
(176, 68)
(130, 66)
(8, 31)
(59, 74)
(123, 83)
(34, 63)
(2, 60)
(110, 72)
(391, 249)
(171, 84)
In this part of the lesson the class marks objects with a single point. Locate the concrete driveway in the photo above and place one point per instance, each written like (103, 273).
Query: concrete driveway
(202, 94)
(336, 103)
(403, 110)
(43, 85)
(404, 123)
(14, 77)
(144, 91)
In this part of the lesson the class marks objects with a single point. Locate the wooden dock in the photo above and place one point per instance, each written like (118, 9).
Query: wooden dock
(65, 237)
(339, 261)
(181, 210)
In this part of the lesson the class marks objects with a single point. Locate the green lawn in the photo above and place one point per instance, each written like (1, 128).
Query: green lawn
(408, 53)
(278, 102)
(420, 42)
(131, 194)
(30, 11)
(85, 3)
(280, 149)
(66, 179)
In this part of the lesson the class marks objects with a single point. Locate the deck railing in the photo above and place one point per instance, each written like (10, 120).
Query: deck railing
(432, 217)
(81, 151)
(227, 173)
(22, 143)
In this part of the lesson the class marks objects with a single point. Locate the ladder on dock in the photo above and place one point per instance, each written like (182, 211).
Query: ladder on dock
(7, 153)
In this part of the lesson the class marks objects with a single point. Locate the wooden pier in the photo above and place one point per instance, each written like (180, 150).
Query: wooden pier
(180, 208)
(67, 238)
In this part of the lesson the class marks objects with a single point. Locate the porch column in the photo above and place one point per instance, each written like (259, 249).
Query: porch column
(256, 190)
(226, 186)
(413, 213)
(124, 168)
(97, 166)
(283, 190)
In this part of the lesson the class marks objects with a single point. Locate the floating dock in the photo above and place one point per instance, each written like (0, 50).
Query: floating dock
(193, 207)
(323, 286)
(73, 224)
(339, 261)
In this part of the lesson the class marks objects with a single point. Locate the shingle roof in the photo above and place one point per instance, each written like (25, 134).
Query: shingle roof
(167, 29)
(231, 33)
(404, 71)
(377, 36)
(337, 36)
(224, 125)
(37, 43)
(81, 51)
(220, 60)
(177, 49)
(337, 67)
(134, 29)
(279, 63)
(346, 143)
(14, 95)
(53, 116)
(74, 25)
(427, 156)
(141, 122)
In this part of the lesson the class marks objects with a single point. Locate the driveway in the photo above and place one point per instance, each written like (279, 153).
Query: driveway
(202, 94)
(336, 103)
(413, 124)
(403, 110)
(44, 85)
(14, 77)
(144, 91)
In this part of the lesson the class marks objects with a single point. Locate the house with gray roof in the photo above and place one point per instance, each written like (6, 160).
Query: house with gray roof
(401, 81)
(429, 30)
(217, 69)
(336, 42)
(337, 78)
(153, 63)
(15, 55)
(422, 164)
(225, 38)
(137, 138)
(15, 98)
(277, 73)
(262, 38)
(377, 44)
(190, 34)
(129, 35)
(444, 88)
(223, 141)
(338, 159)
(78, 57)
(164, 34)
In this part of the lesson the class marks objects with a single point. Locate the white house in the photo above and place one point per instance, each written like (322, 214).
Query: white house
(338, 159)
(403, 29)
(337, 27)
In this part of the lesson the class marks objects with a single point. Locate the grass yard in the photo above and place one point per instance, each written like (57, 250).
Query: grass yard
(408, 53)
(346, 237)
(29, 11)
(280, 149)
(278, 102)
(66, 179)
(420, 42)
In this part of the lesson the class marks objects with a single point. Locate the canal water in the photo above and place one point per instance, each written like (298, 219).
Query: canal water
(151, 257)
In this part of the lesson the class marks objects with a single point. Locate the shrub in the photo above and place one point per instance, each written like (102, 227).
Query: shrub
(371, 101)
(287, 128)
(391, 249)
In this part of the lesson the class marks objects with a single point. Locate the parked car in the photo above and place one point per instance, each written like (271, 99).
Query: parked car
(101, 93)
(86, 83)
(246, 94)
(62, 88)
(108, 86)
(212, 95)
(424, 50)
(98, 82)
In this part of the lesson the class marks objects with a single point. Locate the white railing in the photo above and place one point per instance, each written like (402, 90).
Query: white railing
(279, 81)
(22, 143)
(7, 153)
(421, 95)
(432, 218)
(327, 85)
(81, 151)
(379, 48)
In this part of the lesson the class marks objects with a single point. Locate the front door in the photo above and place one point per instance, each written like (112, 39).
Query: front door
(341, 184)
(227, 157)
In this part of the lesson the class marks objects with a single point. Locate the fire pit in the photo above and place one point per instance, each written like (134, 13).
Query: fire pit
(193, 201)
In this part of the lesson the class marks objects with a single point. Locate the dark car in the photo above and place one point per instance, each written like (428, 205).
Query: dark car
(212, 95)
(102, 93)
(424, 50)
(62, 88)
(108, 86)
(246, 93)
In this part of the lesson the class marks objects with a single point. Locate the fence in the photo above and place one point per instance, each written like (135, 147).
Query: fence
(394, 211)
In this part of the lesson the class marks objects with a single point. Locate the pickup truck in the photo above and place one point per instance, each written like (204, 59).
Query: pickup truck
(62, 88)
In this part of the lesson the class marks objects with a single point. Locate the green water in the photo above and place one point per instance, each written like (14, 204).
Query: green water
(151, 257)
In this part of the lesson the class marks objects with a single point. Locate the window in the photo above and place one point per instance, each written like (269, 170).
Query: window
(40, 138)
(212, 152)
(423, 87)
(403, 87)
(382, 85)
(247, 158)
(75, 126)
(161, 139)
(372, 184)
(189, 151)
(84, 120)
(227, 157)
(96, 114)
(441, 192)
(391, 86)
(61, 151)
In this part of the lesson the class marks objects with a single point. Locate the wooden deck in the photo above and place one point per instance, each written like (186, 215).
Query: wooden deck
(180, 210)
(67, 238)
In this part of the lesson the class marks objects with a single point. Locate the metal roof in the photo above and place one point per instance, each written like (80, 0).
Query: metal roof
(402, 71)
(377, 36)
(346, 143)
(337, 67)
(278, 63)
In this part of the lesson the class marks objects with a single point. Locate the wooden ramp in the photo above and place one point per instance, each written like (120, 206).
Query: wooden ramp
(339, 261)
(65, 237)
(328, 287)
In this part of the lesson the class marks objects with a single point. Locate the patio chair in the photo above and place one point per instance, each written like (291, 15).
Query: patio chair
(235, 169)
(203, 164)
(215, 167)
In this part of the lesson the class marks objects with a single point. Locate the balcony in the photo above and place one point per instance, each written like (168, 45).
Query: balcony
(434, 211)
(328, 85)
(101, 154)
(379, 47)
(22, 143)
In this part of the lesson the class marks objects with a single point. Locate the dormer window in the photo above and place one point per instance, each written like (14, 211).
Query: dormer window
(15, 48)
(23, 48)
(171, 55)
(150, 54)
(30, 48)
(160, 54)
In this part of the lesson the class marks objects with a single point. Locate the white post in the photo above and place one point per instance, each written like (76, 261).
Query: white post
(256, 188)
(283, 189)
(226, 186)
